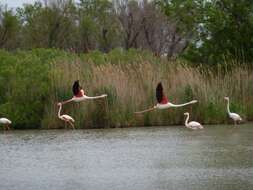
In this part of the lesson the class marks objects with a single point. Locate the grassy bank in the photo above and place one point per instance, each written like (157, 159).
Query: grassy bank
(33, 81)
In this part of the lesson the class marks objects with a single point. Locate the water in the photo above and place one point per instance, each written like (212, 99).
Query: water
(219, 157)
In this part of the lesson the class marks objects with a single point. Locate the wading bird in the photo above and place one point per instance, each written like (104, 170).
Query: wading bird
(192, 124)
(163, 102)
(65, 118)
(6, 123)
(79, 94)
(234, 116)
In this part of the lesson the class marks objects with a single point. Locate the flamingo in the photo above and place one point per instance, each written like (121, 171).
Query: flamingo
(79, 94)
(193, 124)
(236, 117)
(5, 122)
(65, 118)
(163, 102)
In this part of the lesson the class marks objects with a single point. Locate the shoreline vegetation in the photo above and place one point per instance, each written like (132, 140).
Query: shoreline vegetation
(32, 82)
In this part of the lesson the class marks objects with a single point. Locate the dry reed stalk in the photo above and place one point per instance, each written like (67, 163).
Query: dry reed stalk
(134, 85)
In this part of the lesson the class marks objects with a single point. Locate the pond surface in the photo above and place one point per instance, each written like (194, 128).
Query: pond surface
(218, 157)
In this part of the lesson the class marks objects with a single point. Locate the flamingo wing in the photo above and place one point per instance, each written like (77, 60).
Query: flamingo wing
(194, 124)
(5, 121)
(159, 92)
(68, 118)
(235, 116)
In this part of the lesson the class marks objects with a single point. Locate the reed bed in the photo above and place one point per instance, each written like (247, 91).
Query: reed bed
(131, 87)
(130, 84)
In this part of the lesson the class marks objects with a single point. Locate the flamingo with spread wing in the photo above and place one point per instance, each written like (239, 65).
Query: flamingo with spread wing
(162, 101)
(79, 94)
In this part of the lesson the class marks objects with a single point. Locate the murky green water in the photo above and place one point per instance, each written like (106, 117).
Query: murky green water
(219, 157)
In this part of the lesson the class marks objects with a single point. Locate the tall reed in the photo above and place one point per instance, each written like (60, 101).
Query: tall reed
(131, 87)
(34, 81)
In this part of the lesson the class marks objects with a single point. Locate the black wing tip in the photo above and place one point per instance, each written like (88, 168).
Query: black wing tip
(159, 87)
(76, 87)
(159, 92)
(159, 84)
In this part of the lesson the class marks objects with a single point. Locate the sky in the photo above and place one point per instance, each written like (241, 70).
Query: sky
(16, 3)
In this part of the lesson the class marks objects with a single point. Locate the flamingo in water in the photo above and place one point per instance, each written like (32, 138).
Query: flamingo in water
(79, 94)
(163, 102)
(65, 118)
(5, 122)
(192, 124)
(236, 117)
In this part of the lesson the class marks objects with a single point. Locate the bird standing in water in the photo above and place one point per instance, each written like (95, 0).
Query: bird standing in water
(234, 116)
(192, 124)
(66, 118)
(6, 123)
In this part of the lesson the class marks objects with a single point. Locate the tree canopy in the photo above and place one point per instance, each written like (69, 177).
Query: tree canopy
(200, 31)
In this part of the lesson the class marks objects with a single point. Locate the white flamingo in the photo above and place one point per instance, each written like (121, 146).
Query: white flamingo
(5, 122)
(193, 124)
(79, 95)
(236, 117)
(163, 102)
(65, 118)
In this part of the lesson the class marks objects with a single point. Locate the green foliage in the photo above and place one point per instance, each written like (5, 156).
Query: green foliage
(9, 26)
(212, 32)
(27, 89)
(221, 30)
(188, 93)
(213, 110)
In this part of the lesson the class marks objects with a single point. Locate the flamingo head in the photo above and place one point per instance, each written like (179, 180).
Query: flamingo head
(226, 98)
(59, 104)
(186, 113)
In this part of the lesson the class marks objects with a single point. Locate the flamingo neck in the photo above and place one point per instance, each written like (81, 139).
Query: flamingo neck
(181, 105)
(228, 106)
(186, 120)
(59, 112)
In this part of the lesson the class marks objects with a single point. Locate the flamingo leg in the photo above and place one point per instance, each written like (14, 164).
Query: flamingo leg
(6, 127)
(147, 110)
(72, 125)
(107, 111)
(67, 101)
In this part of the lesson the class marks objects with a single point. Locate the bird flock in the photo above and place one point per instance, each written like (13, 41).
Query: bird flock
(162, 103)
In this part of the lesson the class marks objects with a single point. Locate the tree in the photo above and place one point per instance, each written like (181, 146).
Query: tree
(214, 29)
(226, 30)
(98, 25)
(48, 26)
(160, 34)
(131, 20)
(9, 26)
